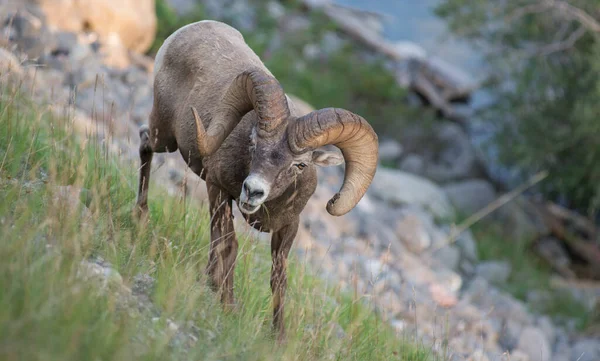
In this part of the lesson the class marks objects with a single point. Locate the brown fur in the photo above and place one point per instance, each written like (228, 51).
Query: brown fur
(195, 68)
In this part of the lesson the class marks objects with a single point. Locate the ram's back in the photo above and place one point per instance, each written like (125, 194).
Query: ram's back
(195, 66)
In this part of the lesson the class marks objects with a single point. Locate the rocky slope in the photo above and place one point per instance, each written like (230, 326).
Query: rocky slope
(392, 251)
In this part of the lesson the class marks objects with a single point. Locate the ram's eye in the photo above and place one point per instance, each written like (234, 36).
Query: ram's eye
(301, 166)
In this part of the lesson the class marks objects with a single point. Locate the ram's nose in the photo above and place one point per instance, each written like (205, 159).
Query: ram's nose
(253, 194)
(255, 191)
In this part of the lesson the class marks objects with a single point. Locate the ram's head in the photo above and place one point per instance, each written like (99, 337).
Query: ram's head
(283, 146)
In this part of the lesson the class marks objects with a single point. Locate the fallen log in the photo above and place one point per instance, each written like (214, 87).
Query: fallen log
(579, 236)
(434, 79)
(582, 224)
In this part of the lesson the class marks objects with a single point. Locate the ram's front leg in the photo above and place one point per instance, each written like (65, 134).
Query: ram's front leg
(281, 243)
(223, 245)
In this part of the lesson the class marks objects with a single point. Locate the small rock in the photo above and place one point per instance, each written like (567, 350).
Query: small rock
(471, 195)
(112, 276)
(535, 345)
(413, 233)
(172, 326)
(337, 330)
(143, 284)
(9, 62)
(275, 9)
(442, 296)
(478, 355)
(389, 150)
(331, 43)
(412, 163)
(466, 243)
(398, 325)
(586, 350)
(516, 356)
(539, 297)
(509, 334)
(545, 324)
(496, 272)
(373, 268)
(449, 256)
(295, 24)
(311, 51)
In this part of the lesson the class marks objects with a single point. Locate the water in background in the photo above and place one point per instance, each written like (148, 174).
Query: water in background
(414, 20)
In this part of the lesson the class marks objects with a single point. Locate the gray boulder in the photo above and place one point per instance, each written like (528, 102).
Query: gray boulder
(400, 188)
(471, 195)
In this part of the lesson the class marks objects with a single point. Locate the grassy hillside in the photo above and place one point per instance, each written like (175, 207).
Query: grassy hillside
(53, 308)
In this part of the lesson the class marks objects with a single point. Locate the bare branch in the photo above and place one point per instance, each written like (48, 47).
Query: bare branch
(562, 8)
(574, 13)
(563, 45)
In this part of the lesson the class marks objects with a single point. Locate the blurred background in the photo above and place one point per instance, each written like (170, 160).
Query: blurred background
(487, 196)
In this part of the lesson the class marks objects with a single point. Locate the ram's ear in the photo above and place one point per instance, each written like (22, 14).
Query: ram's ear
(324, 158)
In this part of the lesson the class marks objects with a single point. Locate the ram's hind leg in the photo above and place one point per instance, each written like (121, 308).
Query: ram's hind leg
(153, 139)
(281, 243)
(146, 154)
(223, 245)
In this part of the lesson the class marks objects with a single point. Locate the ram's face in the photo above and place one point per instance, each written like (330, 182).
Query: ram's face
(274, 168)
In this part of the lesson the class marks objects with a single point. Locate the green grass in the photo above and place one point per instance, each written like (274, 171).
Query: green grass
(47, 312)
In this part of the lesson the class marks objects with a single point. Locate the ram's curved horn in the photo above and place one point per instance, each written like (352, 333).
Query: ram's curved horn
(353, 136)
(253, 89)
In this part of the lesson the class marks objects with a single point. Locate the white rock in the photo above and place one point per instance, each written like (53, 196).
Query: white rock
(374, 267)
(413, 233)
(398, 325)
(494, 271)
(389, 150)
(535, 345)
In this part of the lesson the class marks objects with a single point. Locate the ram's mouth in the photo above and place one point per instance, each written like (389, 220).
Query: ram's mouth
(248, 208)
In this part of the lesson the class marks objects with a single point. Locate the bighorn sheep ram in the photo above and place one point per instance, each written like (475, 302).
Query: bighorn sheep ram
(217, 103)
